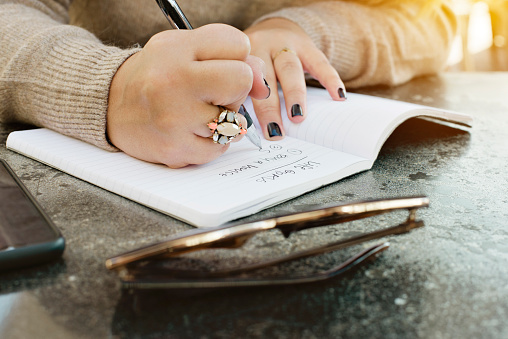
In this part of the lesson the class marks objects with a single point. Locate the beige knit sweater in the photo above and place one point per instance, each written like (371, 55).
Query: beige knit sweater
(57, 57)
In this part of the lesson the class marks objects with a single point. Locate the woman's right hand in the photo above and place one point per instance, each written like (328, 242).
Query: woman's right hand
(162, 97)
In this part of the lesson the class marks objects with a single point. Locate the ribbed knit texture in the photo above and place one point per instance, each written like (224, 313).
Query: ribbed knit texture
(57, 75)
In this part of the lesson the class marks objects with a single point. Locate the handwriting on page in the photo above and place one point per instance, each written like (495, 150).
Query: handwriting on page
(274, 162)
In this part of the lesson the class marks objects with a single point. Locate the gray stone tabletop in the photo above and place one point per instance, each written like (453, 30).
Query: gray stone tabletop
(448, 279)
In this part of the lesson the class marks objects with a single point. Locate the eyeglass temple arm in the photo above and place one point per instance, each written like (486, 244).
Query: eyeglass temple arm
(404, 227)
(341, 214)
(133, 280)
(321, 217)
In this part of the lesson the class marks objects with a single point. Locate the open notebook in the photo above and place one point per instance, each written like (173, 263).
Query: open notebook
(337, 139)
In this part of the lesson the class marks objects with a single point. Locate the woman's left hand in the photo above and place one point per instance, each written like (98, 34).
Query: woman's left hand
(288, 52)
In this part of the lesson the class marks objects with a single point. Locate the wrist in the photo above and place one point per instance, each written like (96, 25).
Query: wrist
(116, 97)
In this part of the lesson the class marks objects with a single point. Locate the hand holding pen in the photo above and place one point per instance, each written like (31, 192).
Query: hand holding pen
(178, 20)
(287, 51)
(163, 98)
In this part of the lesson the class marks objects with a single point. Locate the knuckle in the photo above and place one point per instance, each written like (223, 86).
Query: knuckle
(245, 74)
(176, 155)
(244, 43)
(295, 92)
(243, 39)
(163, 39)
(155, 39)
(288, 66)
(240, 81)
(268, 111)
(173, 162)
(235, 35)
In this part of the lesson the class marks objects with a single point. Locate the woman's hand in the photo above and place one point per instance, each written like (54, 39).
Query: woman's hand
(288, 52)
(162, 97)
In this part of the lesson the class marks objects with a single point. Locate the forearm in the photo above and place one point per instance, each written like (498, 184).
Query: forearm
(52, 74)
(376, 45)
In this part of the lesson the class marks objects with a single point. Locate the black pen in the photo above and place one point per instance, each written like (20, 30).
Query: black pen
(177, 19)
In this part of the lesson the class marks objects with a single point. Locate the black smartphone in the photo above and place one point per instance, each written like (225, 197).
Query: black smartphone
(27, 235)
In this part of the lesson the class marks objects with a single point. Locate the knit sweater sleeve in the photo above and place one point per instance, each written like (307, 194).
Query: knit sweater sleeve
(53, 74)
(376, 45)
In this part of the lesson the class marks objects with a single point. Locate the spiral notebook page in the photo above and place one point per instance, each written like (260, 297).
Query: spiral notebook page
(239, 183)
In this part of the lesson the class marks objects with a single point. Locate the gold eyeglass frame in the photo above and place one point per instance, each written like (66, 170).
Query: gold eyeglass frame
(135, 274)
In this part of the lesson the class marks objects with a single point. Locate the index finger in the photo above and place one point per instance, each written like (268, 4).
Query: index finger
(289, 71)
(317, 64)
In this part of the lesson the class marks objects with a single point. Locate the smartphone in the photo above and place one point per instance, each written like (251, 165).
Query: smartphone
(27, 236)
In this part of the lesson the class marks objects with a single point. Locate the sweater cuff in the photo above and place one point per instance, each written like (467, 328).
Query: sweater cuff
(71, 89)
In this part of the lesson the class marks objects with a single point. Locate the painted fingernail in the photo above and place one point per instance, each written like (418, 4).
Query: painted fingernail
(342, 94)
(243, 111)
(274, 130)
(296, 110)
(269, 89)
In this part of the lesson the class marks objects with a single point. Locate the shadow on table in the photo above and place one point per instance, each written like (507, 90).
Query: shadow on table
(32, 277)
(417, 131)
(336, 308)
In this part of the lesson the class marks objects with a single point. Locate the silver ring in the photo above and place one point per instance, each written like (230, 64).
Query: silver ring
(225, 127)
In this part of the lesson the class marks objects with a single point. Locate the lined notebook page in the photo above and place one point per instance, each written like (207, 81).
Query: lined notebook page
(243, 181)
(360, 125)
(336, 139)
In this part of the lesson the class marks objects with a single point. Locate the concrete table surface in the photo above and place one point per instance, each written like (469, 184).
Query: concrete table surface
(446, 280)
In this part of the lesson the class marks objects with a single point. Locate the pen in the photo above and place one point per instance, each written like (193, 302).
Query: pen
(177, 19)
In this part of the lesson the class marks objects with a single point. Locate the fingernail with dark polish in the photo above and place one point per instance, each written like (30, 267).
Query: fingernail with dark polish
(243, 111)
(296, 110)
(269, 89)
(274, 130)
(341, 93)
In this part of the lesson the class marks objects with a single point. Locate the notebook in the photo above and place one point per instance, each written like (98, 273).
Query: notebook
(336, 140)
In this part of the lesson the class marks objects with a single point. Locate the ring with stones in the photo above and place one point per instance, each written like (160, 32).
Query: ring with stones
(226, 126)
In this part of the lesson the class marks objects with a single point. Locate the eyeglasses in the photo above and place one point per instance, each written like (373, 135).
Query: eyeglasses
(146, 267)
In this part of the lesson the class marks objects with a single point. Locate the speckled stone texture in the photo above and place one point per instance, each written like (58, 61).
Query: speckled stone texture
(446, 280)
